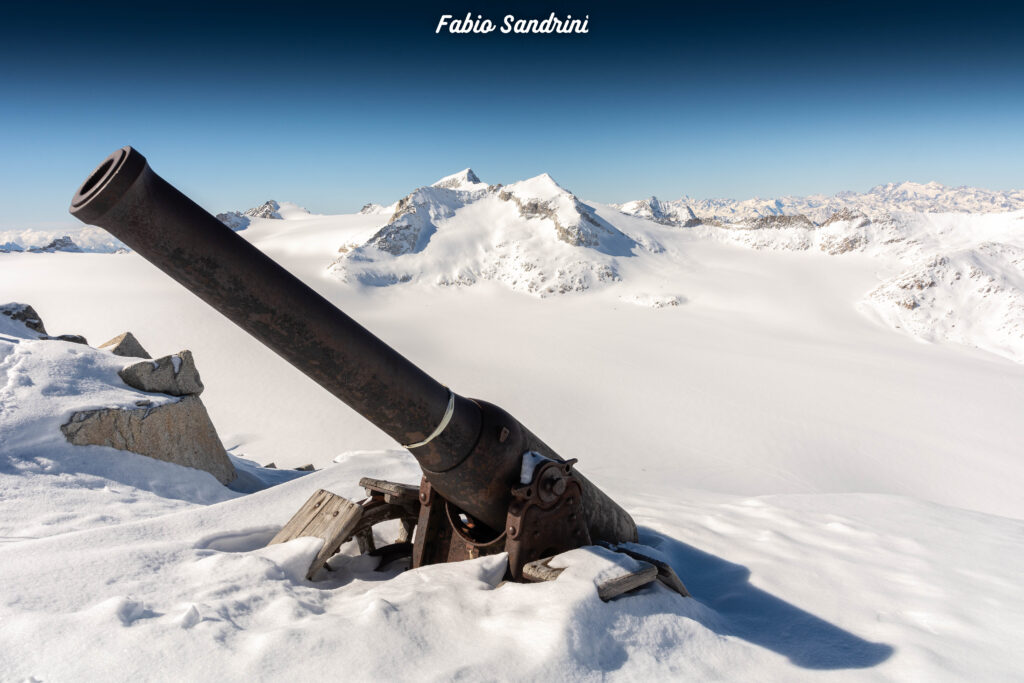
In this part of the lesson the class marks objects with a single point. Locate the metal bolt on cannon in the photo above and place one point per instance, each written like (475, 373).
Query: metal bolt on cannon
(472, 500)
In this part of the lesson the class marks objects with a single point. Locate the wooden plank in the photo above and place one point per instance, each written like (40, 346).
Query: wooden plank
(325, 516)
(394, 493)
(301, 518)
(618, 585)
(666, 574)
(538, 571)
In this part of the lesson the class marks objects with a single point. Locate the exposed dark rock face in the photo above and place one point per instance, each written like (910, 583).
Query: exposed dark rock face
(772, 221)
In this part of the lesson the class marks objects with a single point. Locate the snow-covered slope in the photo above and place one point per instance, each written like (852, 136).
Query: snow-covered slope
(972, 296)
(842, 501)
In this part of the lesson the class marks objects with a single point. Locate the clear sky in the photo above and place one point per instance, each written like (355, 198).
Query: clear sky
(332, 106)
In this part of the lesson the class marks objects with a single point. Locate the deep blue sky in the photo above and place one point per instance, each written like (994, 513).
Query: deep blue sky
(331, 106)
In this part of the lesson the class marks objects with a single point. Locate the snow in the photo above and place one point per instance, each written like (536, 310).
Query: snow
(842, 500)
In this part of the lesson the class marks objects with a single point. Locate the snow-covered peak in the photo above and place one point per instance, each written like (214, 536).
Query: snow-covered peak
(542, 187)
(575, 222)
(661, 212)
(463, 180)
(542, 197)
(268, 209)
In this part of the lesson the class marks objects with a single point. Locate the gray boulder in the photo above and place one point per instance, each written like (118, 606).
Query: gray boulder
(175, 375)
(125, 345)
(179, 432)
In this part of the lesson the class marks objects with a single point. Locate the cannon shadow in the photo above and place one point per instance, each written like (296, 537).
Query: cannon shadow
(754, 615)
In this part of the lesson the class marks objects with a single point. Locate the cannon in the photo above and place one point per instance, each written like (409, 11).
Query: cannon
(489, 484)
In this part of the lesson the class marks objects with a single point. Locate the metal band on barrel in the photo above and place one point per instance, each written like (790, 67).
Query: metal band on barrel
(440, 427)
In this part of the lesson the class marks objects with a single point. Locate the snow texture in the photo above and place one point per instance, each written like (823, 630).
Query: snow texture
(842, 501)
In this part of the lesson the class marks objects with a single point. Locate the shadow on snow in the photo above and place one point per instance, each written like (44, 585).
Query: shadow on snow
(749, 613)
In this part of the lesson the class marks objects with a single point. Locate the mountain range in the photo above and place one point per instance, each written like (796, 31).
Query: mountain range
(906, 196)
(949, 259)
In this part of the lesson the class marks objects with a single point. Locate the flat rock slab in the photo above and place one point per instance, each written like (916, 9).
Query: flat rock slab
(175, 375)
(125, 344)
(180, 432)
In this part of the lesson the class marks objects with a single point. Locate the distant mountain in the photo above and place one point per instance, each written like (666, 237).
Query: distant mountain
(269, 210)
(668, 213)
(907, 196)
(239, 220)
(64, 243)
(533, 235)
(88, 239)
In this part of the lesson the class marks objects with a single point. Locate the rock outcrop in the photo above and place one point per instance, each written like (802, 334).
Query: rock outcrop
(772, 221)
(27, 316)
(24, 314)
(180, 432)
(175, 375)
(125, 344)
(174, 430)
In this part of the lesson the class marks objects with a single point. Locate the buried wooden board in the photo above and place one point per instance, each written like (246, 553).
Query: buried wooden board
(539, 570)
(326, 516)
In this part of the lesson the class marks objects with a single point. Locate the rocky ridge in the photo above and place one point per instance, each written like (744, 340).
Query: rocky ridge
(892, 197)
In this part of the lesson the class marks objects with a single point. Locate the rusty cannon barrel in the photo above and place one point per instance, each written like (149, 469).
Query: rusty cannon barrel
(470, 451)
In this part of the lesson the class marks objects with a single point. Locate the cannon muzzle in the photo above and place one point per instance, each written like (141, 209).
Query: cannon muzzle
(470, 451)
